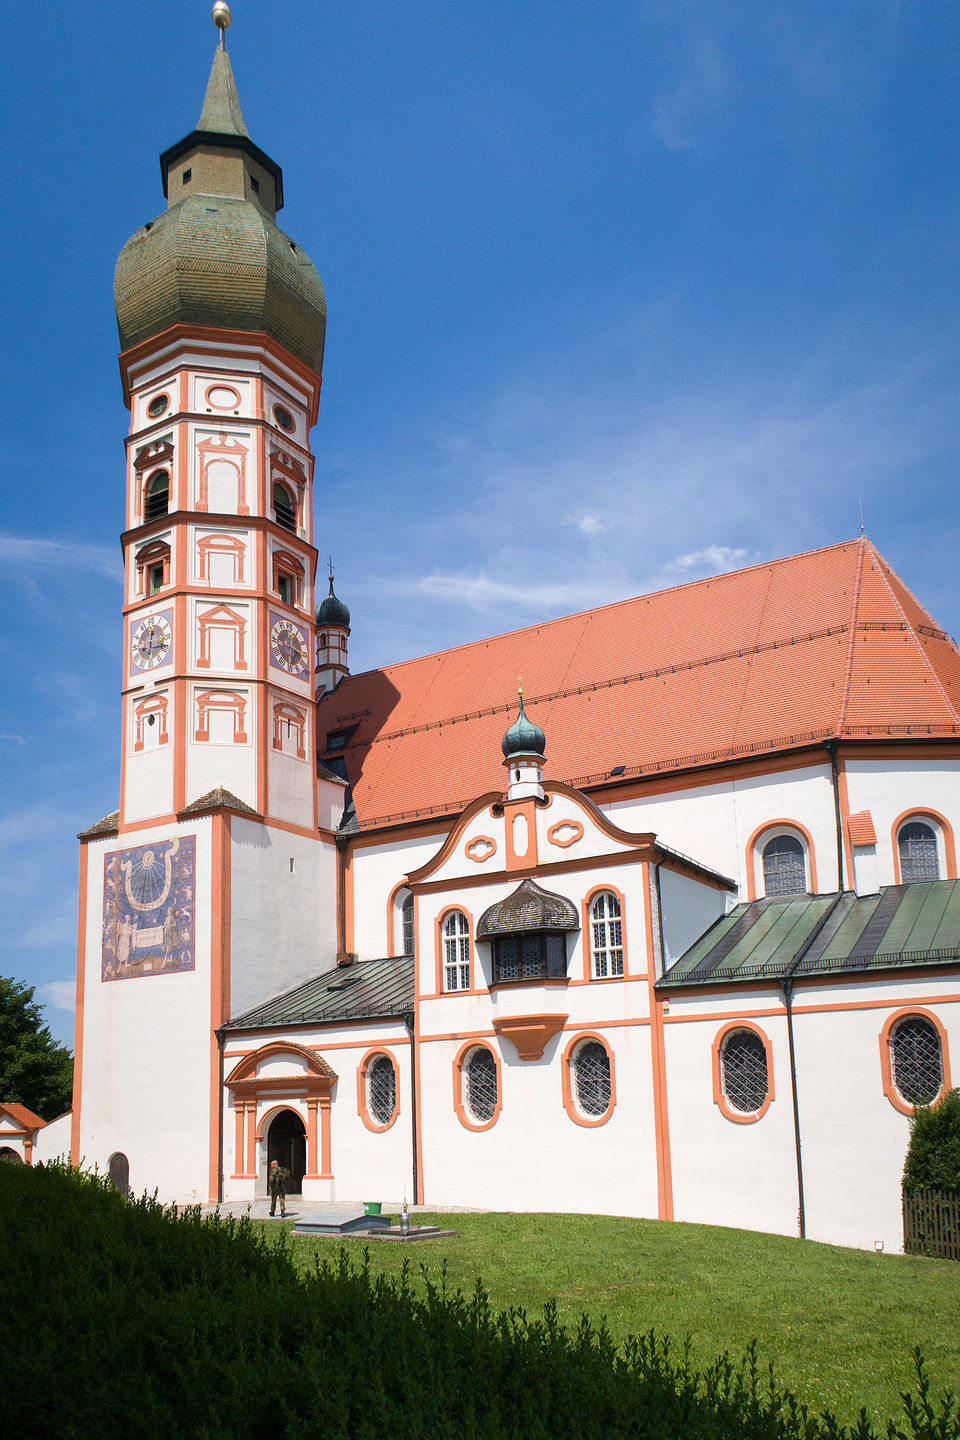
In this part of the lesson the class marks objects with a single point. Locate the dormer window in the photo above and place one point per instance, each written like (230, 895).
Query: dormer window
(157, 495)
(283, 507)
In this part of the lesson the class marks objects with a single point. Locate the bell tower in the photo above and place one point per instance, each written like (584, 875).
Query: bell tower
(212, 888)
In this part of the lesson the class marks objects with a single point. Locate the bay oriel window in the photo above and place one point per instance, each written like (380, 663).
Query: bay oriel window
(528, 934)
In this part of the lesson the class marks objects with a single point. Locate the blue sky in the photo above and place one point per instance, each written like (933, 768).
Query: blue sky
(619, 295)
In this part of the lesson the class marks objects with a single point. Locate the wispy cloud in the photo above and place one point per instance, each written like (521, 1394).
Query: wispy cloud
(59, 994)
(12, 739)
(717, 558)
(64, 554)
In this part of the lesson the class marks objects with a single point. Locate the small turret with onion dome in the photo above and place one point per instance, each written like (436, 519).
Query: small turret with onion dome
(332, 629)
(523, 746)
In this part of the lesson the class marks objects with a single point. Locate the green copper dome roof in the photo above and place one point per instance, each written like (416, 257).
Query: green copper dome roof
(332, 611)
(216, 257)
(523, 737)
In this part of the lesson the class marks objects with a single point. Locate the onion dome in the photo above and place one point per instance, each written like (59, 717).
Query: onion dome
(523, 737)
(215, 256)
(530, 907)
(332, 611)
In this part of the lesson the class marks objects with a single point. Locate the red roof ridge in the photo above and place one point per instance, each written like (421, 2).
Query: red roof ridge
(881, 571)
(854, 612)
(724, 575)
(20, 1113)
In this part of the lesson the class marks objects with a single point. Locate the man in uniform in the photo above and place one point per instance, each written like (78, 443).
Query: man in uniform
(278, 1178)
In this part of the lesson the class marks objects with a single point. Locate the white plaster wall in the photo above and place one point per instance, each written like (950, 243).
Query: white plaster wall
(688, 908)
(888, 788)
(148, 777)
(202, 381)
(53, 1141)
(377, 870)
(725, 1173)
(536, 1157)
(712, 823)
(854, 1141)
(283, 922)
(330, 804)
(211, 763)
(290, 785)
(146, 1047)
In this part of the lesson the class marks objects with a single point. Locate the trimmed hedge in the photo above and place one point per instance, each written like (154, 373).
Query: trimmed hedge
(123, 1318)
(933, 1156)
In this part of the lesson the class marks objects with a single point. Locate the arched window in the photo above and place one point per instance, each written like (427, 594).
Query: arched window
(283, 507)
(784, 866)
(743, 1066)
(156, 501)
(381, 1089)
(917, 844)
(119, 1171)
(590, 1076)
(916, 1059)
(406, 921)
(606, 936)
(456, 951)
(480, 1086)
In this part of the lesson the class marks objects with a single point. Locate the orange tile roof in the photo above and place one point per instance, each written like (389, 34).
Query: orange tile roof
(861, 828)
(22, 1115)
(828, 643)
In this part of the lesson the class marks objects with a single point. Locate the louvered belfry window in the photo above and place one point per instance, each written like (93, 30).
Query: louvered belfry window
(157, 499)
(381, 1089)
(283, 507)
(916, 1060)
(744, 1063)
(917, 844)
(784, 868)
(591, 1078)
(480, 1085)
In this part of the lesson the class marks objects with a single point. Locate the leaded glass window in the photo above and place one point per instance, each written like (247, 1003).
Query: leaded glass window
(381, 1089)
(591, 1078)
(537, 955)
(744, 1064)
(784, 866)
(480, 1085)
(917, 844)
(916, 1059)
(157, 498)
(456, 952)
(406, 919)
(606, 929)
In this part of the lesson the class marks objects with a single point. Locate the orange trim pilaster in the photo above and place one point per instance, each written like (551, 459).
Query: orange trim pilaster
(312, 1106)
(78, 1018)
(659, 1068)
(239, 1166)
(849, 876)
(251, 1109)
(326, 1172)
(219, 978)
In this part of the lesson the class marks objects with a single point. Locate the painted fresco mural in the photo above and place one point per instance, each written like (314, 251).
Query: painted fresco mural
(148, 899)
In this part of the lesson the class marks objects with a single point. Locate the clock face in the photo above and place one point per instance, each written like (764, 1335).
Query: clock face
(288, 647)
(150, 642)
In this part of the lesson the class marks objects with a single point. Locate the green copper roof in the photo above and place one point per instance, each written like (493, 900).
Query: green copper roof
(221, 105)
(349, 992)
(807, 935)
(332, 611)
(523, 737)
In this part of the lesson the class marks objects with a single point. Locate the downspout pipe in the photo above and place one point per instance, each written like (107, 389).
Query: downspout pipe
(831, 748)
(221, 1038)
(408, 1021)
(786, 985)
(342, 842)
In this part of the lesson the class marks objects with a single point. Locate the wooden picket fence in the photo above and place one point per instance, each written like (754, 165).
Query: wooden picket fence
(931, 1223)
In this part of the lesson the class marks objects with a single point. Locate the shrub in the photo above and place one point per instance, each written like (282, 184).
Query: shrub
(123, 1318)
(933, 1156)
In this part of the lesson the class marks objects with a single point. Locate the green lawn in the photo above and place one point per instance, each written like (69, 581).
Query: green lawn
(839, 1325)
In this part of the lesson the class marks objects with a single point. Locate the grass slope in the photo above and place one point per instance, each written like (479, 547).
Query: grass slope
(840, 1325)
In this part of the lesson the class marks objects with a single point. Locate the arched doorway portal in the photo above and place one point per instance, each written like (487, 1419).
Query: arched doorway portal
(287, 1143)
(7, 1154)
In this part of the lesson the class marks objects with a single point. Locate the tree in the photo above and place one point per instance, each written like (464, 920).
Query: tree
(933, 1157)
(34, 1070)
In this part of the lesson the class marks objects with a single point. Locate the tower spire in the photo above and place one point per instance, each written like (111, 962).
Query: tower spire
(221, 114)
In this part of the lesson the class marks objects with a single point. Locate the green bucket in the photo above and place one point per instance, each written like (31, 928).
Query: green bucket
(372, 1207)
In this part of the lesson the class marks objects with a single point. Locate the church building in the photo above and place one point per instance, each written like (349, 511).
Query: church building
(673, 933)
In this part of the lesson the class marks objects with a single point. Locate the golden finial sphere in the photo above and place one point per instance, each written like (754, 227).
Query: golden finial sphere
(221, 15)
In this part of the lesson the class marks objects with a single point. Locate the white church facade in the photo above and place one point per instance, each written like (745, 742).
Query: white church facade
(677, 935)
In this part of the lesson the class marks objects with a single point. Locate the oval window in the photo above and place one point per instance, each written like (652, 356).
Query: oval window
(284, 419)
(480, 1086)
(381, 1089)
(157, 406)
(591, 1079)
(744, 1063)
